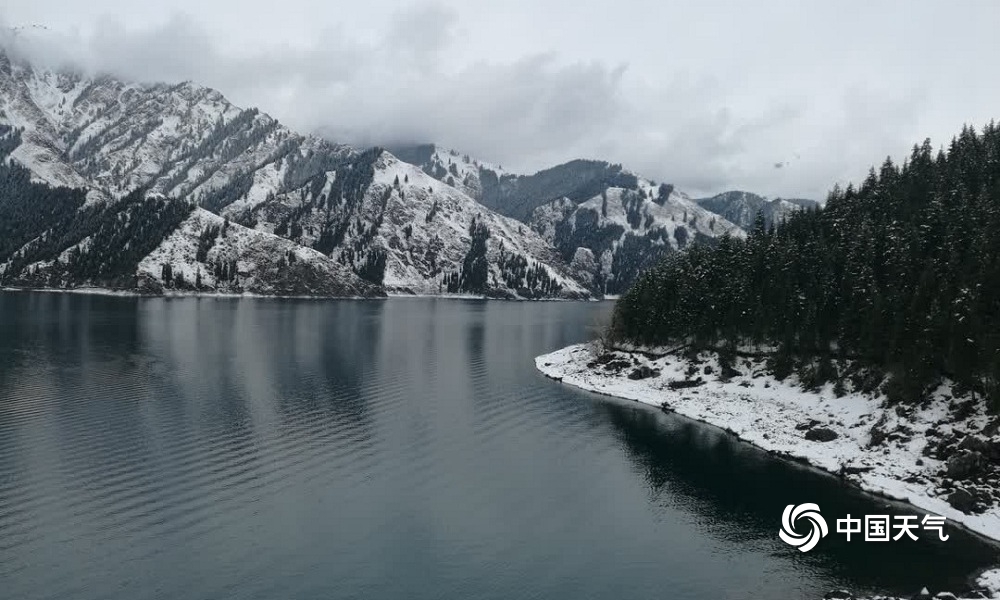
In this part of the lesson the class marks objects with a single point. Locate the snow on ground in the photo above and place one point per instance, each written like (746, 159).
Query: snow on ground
(99, 291)
(990, 582)
(776, 416)
(412, 197)
(261, 260)
(462, 170)
(89, 291)
(676, 211)
(266, 182)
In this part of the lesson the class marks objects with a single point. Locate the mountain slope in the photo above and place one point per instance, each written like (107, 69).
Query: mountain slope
(606, 222)
(182, 141)
(617, 234)
(742, 208)
(207, 252)
(188, 144)
(516, 195)
(394, 225)
(458, 170)
(52, 238)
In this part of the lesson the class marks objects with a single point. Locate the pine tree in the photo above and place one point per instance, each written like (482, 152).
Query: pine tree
(900, 274)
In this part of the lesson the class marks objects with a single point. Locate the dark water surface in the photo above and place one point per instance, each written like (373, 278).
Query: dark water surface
(241, 448)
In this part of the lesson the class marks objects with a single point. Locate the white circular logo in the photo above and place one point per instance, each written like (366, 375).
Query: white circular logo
(807, 512)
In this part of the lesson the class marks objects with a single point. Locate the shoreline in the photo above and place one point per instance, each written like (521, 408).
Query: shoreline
(98, 291)
(771, 415)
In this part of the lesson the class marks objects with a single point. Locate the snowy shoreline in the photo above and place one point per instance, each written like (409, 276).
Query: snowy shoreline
(777, 416)
(97, 291)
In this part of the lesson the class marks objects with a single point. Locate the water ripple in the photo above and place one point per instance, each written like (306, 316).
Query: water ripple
(268, 449)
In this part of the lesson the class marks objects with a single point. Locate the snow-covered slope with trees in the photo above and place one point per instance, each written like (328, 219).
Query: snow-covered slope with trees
(53, 238)
(459, 170)
(516, 195)
(742, 208)
(181, 141)
(607, 223)
(432, 221)
(621, 231)
(185, 143)
(209, 252)
(393, 224)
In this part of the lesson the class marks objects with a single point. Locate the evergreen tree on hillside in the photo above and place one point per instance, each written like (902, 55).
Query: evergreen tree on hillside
(475, 267)
(901, 274)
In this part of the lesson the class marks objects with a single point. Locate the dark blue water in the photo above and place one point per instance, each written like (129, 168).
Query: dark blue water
(224, 448)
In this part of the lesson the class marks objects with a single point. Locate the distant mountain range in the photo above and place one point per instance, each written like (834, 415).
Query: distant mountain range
(742, 208)
(196, 194)
(607, 223)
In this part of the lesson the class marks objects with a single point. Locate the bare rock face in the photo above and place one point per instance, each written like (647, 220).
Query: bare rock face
(963, 464)
(962, 500)
(878, 434)
(643, 372)
(974, 443)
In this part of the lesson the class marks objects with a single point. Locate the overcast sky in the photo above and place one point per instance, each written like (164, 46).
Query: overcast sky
(777, 97)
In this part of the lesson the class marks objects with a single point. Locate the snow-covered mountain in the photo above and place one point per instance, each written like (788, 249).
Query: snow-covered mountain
(182, 140)
(54, 237)
(606, 222)
(392, 223)
(289, 199)
(303, 215)
(742, 208)
(512, 194)
(456, 169)
(621, 231)
(212, 253)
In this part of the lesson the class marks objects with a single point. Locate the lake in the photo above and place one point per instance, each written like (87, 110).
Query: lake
(189, 448)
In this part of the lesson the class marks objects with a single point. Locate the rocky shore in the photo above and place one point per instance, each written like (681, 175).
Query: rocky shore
(985, 586)
(942, 455)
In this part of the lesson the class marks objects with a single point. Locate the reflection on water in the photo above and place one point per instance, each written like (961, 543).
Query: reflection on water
(740, 492)
(209, 448)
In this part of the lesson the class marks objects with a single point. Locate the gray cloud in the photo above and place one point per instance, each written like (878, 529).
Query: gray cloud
(710, 100)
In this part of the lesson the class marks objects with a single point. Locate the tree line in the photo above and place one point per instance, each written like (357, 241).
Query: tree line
(899, 276)
(50, 236)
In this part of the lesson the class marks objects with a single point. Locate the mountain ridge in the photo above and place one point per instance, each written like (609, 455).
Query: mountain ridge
(187, 143)
(608, 223)
(741, 207)
(447, 223)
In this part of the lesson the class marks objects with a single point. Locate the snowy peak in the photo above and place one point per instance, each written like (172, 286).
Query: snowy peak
(518, 195)
(437, 221)
(578, 180)
(182, 141)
